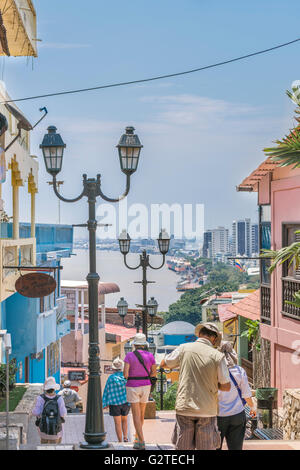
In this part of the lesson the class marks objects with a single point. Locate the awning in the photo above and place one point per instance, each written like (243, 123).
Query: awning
(249, 307)
(103, 287)
(251, 182)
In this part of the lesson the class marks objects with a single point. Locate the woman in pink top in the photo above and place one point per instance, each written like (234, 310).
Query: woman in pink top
(138, 383)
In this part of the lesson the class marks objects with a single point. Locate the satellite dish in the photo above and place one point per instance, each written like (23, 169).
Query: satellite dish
(22, 121)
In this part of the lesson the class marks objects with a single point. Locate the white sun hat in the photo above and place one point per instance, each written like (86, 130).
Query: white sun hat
(139, 340)
(50, 383)
(117, 364)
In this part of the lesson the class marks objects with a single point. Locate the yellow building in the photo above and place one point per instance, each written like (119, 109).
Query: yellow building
(18, 28)
(18, 168)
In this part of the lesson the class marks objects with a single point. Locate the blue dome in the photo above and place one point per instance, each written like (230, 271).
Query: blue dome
(178, 328)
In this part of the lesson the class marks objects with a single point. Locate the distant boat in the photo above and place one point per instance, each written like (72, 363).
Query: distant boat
(178, 265)
(188, 286)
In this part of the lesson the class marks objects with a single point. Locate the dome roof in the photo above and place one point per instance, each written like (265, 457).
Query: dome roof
(178, 328)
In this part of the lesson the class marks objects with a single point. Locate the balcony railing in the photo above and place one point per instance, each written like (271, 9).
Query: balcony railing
(61, 309)
(289, 287)
(19, 252)
(265, 298)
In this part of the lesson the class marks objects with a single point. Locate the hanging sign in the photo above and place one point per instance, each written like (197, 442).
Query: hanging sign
(35, 285)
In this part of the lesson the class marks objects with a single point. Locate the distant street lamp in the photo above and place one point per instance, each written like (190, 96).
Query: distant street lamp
(163, 245)
(129, 148)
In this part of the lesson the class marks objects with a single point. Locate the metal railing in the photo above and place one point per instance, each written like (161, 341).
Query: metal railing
(289, 287)
(265, 300)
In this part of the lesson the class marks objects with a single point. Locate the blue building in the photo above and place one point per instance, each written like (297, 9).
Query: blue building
(37, 325)
(176, 333)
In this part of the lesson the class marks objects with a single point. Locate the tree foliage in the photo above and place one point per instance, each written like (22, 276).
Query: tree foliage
(222, 278)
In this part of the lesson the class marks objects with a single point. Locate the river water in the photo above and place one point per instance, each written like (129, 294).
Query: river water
(111, 268)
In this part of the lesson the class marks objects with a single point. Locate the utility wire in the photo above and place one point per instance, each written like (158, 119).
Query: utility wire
(159, 77)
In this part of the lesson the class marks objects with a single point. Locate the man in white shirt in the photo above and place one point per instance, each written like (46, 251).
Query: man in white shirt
(203, 371)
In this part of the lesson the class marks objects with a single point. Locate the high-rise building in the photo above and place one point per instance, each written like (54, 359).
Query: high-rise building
(215, 242)
(206, 248)
(254, 239)
(241, 237)
(220, 241)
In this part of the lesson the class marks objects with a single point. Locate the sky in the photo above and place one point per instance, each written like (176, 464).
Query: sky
(202, 133)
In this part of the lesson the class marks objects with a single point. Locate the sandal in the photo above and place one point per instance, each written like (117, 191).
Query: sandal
(139, 445)
(125, 439)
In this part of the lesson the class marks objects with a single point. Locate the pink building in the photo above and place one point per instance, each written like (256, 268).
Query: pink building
(279, 216)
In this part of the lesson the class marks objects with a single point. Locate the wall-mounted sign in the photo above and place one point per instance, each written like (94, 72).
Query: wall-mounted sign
(35, 285)
(76, 375)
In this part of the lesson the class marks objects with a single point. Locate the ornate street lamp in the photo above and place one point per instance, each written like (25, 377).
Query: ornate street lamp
(124, 242)
(129, 151)
(163, 245)
(53, 150)
(163, 242)
(152, 307)
(122, 307)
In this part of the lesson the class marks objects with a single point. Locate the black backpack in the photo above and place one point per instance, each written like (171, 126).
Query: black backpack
(50, 422)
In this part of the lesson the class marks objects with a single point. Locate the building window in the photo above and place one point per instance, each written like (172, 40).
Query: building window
(265, 241)
(53, 362)
(290, 285)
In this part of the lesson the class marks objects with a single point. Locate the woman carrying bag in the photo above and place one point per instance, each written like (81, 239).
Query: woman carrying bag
(232, 416)
(140, 372)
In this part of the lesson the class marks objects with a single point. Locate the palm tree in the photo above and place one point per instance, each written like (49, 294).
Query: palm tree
(287, 151)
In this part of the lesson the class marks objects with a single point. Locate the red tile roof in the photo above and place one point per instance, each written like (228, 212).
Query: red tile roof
(249, 307)
(224, 312)
(124, 333)
(250, 183)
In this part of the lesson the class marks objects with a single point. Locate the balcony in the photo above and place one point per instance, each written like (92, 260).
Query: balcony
(14, 253)
(289, 287)
(265, 300)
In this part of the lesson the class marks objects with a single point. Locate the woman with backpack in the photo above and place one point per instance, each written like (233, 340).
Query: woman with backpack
(232, 416)
(50, 411)
(140, 371)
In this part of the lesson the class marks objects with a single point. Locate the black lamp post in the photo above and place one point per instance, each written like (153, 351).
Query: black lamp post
(163, 244)
(129, 151)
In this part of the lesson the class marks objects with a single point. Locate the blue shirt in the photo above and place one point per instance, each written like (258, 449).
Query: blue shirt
(114, 390)
(230, 402)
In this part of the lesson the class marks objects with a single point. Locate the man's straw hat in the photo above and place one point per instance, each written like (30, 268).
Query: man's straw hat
(212, 327)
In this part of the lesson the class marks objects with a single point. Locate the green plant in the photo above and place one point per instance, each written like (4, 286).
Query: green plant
(287, 151)
(296, 302)
(15, 396)
(12, 375)
(252, 333)
(169, 397)
(290, 253)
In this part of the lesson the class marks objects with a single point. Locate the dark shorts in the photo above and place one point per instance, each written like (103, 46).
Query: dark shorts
(119, 410)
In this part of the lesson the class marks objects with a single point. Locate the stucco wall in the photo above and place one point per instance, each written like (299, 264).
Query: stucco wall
(291, 414)
(284, 332)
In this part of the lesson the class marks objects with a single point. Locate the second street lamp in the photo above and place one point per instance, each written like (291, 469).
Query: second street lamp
(163, 244)
(53, 149)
